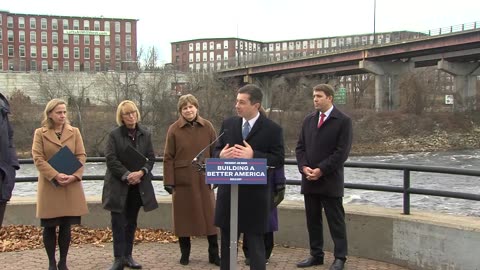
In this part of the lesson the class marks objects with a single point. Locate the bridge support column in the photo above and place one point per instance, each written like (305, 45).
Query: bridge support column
(387, 94)
(465, 82)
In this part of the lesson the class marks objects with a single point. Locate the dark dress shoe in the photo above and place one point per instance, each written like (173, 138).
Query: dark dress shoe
(337, 265)
(214, 259)
(310, 262)
(62, 265)
(131, 263)
(247, 261)
(52, 267)
(118, 264)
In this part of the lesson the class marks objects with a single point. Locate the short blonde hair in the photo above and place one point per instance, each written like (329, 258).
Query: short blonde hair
(185, 99)
(51, 105)
(126, 106)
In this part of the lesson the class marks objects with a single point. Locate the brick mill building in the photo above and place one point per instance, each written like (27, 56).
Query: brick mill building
(32, 42)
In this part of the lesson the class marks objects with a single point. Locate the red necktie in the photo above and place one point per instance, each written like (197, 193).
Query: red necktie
(322, 119)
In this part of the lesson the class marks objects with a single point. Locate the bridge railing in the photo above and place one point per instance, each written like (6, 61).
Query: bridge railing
(453, 29)
(405, 189)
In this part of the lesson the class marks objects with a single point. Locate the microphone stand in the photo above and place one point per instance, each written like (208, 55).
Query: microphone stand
(196, 160)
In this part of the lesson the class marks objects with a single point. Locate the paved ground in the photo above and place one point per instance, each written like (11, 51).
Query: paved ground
(166, 256)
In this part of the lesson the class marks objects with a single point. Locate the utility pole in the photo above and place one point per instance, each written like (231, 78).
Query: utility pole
(374, 17)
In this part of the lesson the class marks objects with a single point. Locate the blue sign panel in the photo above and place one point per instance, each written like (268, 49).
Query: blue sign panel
(236, 171)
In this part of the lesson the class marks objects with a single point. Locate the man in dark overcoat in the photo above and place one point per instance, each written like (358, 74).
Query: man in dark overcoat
(322, 149)
(264, 140)
(8, 157)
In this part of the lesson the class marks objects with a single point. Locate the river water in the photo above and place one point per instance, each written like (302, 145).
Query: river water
(469, 159)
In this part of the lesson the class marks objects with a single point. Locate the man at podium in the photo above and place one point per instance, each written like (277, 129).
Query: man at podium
(248, 135)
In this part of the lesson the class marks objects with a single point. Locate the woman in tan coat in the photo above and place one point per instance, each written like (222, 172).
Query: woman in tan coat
(193, 199)
(60, 197)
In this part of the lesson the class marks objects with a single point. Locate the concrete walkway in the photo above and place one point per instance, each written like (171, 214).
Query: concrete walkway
(166, 256)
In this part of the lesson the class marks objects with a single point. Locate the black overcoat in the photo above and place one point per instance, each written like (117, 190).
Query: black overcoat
(254, 201)
(326, 148)
(115, 190)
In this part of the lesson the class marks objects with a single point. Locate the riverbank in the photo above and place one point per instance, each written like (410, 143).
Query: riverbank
(387, 133)
(440, 141)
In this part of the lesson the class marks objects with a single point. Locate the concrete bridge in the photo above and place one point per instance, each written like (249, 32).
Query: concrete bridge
(457, 53)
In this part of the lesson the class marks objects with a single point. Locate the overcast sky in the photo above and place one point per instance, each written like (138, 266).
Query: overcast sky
(262, 20)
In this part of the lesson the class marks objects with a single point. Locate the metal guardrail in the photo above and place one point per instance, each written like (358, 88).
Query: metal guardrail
(406, 189)
(453, 29)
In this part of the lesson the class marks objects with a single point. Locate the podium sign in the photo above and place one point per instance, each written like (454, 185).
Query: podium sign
(236, 171)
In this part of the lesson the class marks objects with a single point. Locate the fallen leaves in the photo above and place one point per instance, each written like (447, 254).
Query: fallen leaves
(24, 237)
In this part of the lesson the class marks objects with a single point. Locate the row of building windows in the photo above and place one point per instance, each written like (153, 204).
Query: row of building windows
(205, 46)
(208, 66)
(326, 43)
(212, 56)
(22, 52)
(66, 24)
(66, 38)
(290, 45)
(55, 66)
(196, 56)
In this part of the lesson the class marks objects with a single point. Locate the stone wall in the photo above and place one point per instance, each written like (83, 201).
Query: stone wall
(96, 82)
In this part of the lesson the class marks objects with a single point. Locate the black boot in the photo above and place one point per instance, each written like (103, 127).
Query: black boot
(184, 249)
(62, 265)
(131, 263)
(213, 257)
(118, 263)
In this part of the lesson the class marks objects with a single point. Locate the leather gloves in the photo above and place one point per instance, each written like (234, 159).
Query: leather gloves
(169, 188)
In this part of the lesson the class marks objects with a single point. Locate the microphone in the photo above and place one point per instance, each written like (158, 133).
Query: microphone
(196, 159)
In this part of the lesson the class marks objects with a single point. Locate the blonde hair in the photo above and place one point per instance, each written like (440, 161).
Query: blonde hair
(126, 106)
(51, 105)
(185, 99)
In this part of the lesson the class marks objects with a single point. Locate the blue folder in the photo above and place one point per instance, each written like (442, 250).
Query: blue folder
(64, 161)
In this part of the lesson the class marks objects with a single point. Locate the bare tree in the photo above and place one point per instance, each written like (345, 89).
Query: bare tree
(421, 90)
(359, 85)
(216, 96)
(150, 59)
(72, 86)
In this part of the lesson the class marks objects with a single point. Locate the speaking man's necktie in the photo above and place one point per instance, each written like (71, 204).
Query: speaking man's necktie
(245, 130)
(322, 119)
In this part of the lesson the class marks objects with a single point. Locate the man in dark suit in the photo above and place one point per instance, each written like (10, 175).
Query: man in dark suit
(248, 135)
(322, 149)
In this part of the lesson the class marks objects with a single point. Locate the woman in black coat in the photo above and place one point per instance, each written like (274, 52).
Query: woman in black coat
(128, 181)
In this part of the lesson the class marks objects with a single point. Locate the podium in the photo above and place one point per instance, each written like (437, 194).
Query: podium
(235, 172)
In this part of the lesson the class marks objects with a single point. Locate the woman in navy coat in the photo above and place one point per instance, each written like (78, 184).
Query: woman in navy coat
(8, 157)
